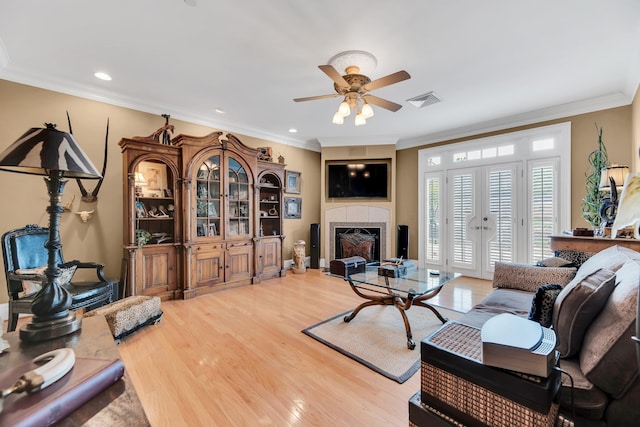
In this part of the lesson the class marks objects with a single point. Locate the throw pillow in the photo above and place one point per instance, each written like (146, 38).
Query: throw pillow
(66, 273)
(576, 307)
(554, 262)
(608, 356)
(31, 286)
(527, 277)
(542, 304)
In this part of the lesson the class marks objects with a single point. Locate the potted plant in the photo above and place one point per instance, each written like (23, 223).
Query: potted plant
(598, 160)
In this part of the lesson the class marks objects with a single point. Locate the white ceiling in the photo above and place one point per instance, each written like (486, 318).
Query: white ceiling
(494, 63)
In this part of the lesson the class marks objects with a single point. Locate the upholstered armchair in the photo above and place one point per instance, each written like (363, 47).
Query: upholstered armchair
(25, 259)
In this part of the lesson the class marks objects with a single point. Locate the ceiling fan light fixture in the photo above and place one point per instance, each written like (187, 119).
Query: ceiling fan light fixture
(367, 111)
(360, 120)
(338, 119)
(344, 109)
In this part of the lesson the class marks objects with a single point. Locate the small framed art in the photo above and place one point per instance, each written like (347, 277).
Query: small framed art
(293, 207)
(292, 182)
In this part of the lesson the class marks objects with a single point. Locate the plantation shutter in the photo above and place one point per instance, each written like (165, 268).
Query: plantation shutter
(462, 211)
(433, 217)
(501, 211)
(543, 210)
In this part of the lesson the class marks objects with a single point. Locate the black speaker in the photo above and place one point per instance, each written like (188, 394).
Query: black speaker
(402, 242)
(314, 238)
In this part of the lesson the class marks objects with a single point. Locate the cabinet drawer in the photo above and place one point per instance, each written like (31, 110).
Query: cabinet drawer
(239, 244)
(208, 247)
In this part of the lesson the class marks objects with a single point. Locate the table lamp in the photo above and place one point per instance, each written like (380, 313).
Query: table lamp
(56, 155)
(611, 180)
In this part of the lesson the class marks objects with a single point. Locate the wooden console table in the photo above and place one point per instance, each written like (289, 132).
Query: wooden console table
(117, 405)
(589, 244)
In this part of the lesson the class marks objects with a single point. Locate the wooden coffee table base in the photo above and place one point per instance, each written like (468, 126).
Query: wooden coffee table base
(401, 303)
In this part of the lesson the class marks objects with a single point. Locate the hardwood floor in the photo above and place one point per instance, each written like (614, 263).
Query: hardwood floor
(238, 358)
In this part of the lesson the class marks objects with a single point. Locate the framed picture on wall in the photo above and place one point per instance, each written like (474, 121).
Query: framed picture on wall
(292, 182)
(293, 207)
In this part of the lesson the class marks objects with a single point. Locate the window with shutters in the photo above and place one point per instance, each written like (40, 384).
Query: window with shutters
(502, 199)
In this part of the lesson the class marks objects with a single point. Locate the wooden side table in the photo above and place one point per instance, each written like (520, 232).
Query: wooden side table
(578, 249)
(117, 405)
(589, 244)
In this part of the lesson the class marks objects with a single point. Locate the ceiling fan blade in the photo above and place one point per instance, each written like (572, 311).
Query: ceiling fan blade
(311, 98)
(387, 80)
(334, 75)
(388, 105)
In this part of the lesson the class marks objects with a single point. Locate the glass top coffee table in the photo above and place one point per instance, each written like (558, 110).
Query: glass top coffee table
(413, 288)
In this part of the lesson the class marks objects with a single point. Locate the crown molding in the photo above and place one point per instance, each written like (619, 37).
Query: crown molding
(179, 113)
(357, 141)
(537, 116)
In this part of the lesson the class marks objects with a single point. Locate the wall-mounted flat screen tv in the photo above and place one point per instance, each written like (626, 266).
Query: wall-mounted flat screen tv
(358, 179)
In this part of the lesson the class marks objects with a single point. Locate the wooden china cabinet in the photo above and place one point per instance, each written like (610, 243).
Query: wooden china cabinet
(226, 216)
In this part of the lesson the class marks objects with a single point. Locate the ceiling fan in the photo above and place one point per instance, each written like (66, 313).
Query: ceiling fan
(355, 87)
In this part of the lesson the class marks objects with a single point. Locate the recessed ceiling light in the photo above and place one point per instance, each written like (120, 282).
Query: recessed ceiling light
(102, 76)
(220, 111)
(293, 130)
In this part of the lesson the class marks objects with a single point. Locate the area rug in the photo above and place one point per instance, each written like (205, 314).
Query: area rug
(376, 337)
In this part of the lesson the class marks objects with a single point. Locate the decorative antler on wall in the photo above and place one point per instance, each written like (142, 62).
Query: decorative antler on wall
(92, 196)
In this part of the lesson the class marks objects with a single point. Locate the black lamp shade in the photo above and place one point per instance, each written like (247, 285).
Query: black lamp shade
(41, 150)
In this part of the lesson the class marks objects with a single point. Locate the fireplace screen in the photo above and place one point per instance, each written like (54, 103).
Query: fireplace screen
(358, 242)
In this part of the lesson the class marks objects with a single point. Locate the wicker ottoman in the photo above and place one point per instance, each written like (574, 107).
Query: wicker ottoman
(128, 315)
(456, 389)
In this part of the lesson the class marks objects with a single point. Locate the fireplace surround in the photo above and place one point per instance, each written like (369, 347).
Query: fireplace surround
(356, 217)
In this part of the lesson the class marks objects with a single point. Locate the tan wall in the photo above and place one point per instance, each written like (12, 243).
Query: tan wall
(617, 136)
(368, 152)
(100, 239)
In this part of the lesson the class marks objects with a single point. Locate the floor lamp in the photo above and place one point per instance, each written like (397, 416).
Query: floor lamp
(56, 155)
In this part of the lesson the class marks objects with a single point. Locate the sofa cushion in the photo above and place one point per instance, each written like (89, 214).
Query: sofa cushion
(542, 304)
(589, 401)
(576, 307)
(527, 277)
(608, 355)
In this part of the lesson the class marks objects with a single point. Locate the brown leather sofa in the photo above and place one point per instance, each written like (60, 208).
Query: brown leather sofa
(594, 319)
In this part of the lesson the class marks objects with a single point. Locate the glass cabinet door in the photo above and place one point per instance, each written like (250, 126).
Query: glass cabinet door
(238, 185)
(154, 203)
(208, 187)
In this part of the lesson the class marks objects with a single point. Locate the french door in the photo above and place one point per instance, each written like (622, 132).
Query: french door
(494, 199)
(482, 217)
